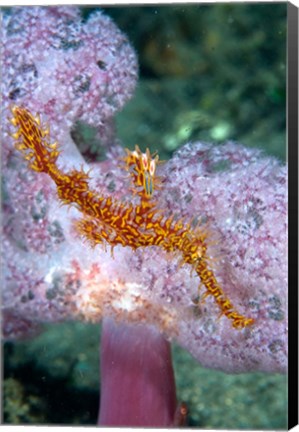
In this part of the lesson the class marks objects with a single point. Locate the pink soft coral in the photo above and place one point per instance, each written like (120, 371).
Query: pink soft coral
(237, 193)
(67, 69)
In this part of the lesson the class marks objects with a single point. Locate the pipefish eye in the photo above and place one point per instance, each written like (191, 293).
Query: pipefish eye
(144, 159)
(152, 167)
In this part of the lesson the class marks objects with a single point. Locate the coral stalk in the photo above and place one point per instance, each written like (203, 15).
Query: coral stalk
(137, 379)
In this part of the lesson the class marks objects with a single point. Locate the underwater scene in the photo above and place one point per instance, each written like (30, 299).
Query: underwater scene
(203, 86)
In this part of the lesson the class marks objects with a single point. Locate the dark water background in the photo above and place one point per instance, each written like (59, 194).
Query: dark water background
(207, 72)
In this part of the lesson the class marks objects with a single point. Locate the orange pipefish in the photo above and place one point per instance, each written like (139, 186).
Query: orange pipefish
(108, 221)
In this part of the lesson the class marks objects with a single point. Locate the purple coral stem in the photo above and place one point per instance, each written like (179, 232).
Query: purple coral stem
(137, 379)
